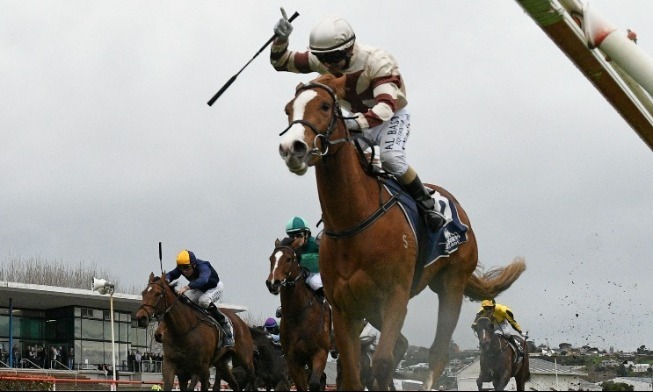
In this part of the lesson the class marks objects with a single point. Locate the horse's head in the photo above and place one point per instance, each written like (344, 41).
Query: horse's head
(284, 265)
(157, 298)
(314, 118)
(484, 328)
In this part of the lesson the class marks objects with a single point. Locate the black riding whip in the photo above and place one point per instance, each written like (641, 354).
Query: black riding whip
(233, 78)
(160, 257)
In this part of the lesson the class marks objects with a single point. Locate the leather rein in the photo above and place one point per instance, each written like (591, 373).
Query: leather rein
(290, 282)
(158, 316)
(326, 141)
(490, 352)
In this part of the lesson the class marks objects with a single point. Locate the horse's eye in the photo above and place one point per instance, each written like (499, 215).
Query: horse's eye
(325, 107)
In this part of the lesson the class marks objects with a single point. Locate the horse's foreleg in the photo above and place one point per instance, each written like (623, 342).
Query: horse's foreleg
(203, 379)
(184, 378)
(297, 374)
(223, 370)
(394, 314)
(318, 365)
(348, 345)
(450, 299)
(168, 372)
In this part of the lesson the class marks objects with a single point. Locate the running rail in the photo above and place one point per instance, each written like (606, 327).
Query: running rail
(586, 38)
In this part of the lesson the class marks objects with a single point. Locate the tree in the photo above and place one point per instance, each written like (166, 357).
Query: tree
(57, 273)
(622, 370)
(616, 386)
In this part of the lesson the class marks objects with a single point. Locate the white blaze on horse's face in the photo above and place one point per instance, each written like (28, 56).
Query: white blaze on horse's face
(293, 148)
(277, 256)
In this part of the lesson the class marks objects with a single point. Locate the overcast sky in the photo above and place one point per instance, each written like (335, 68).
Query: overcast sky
(107, 147)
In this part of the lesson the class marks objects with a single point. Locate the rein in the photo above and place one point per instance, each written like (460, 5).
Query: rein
(493, 351)
(292, 282)
(286, 282)
(156, 316)
(326, 136)
(326, 141)
(160, 316)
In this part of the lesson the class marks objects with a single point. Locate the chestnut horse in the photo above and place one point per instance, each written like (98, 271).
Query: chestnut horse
(368, 255)
(498, 359)
(192, 342)
(305, 330)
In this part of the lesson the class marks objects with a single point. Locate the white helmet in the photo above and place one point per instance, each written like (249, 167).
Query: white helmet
(332, 34)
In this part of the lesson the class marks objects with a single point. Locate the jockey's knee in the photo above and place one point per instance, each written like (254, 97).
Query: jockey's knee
(394, 162)
(204, 302)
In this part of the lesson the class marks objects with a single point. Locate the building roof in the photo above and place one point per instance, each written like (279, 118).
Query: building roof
(40, 297)
(541, 366)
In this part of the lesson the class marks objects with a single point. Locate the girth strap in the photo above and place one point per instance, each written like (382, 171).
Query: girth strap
(365, 223)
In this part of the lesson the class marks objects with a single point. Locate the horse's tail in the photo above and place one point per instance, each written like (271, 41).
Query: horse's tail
(487, 285)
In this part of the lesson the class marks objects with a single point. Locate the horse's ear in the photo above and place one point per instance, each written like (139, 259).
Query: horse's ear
(299, 86)
(277, 243)
(151, 276)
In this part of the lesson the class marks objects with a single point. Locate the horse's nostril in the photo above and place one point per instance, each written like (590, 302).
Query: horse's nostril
(299, 148)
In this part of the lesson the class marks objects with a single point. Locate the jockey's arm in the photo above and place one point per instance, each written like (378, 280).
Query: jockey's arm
(283, 59)
(511, 320)
(204, 273)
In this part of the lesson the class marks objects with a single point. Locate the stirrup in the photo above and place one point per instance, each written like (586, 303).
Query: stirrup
(434, 220)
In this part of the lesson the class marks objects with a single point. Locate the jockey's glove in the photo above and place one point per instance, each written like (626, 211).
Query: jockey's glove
(283, 28)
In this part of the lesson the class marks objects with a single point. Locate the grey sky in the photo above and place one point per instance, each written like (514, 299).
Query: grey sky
(107, 147)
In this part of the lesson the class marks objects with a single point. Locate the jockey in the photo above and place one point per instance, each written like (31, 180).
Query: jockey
(204, 287)
(308, 253)
(503, 318)
(377, 97)
(272, 327)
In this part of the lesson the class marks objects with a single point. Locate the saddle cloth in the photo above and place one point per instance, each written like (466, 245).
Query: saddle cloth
(431, 245)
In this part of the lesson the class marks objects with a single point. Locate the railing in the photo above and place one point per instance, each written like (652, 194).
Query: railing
(61, 365)
(34, 365)
(146, 366)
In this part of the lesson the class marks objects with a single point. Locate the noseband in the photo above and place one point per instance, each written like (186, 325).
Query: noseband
(326, 135)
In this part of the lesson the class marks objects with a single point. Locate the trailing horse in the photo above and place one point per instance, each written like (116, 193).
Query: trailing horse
(269, 363)
(499, 360)
(192, 340)
(370, 261)
(305, 330)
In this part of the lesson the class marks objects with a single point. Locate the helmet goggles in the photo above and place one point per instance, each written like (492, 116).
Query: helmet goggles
(331, 57)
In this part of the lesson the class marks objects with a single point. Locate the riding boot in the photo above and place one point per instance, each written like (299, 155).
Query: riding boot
(224, 323)
(426, 204)
(319, 293)
(517, 344)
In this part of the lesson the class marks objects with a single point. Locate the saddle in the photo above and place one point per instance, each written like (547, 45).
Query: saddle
(209, 317)
(519, 354)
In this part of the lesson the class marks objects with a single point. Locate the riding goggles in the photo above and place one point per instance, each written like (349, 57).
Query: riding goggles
(331, 57)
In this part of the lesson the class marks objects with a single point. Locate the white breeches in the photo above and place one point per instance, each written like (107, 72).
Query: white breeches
(204, 299)
(314, 280)
(391, 137)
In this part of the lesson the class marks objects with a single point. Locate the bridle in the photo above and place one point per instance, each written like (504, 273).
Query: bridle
(289, 281)
(155, 315)
(336, 113)
(326, 138)
(483, 331)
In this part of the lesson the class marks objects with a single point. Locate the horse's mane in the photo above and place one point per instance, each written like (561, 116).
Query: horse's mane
(172, 285)
(288, 242)
(337, 83)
